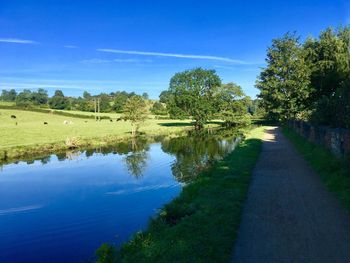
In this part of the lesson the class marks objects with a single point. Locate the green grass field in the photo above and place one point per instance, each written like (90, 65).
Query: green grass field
(30, 128)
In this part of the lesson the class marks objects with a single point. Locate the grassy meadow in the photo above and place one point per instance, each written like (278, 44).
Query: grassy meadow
(29, 133)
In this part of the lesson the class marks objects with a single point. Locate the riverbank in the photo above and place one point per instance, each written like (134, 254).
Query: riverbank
(201, 224)
(36, 133)
(334, 171)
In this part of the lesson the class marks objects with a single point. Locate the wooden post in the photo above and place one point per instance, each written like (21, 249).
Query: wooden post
(95, 109)
(98, 107)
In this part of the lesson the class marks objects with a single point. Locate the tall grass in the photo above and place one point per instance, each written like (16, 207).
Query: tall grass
(334, 171)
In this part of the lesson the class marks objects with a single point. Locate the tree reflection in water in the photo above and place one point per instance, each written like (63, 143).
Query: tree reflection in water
(136, 158)
(194, 153)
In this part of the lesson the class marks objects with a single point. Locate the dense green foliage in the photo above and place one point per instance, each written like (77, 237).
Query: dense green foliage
(192, 94)
(8, 95)
(334, 171)
(135, 110)
(59, 101)
(232, 105)
(201, 224)
(26, 98)
(200, 95)
(310, 80)
(285, 81)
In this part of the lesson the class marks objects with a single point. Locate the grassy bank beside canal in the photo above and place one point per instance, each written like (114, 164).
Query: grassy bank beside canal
(25, 133)
(201, 224)
(334, 171)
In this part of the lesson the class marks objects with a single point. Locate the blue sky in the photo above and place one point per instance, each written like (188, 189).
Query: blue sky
(104, 46)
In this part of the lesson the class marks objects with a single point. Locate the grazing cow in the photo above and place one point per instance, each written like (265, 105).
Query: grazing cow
(110, 120)
(119, 119)
(45, 123)
(13, 117)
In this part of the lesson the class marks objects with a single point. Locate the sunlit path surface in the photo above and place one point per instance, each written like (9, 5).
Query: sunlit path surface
(289, 215)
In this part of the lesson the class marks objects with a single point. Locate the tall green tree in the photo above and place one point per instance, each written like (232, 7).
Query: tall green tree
(192, 94)
(232, 105)
(135, 110)
(284, 83)
(8, 95)
(24, 98)
(40, 97)
(59, 101)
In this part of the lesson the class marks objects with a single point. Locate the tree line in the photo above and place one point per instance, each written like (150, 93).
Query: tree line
(308, 80)
(196, 94)
(112, 102)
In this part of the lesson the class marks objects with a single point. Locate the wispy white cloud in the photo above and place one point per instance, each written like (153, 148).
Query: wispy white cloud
(70, 46)
(21, 209)
(95, 61)
(17, 41)
(159, 54)
(117, 60)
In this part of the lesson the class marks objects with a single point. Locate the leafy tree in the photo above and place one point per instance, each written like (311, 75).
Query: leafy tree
(135, 111)
(232, 105)
(8, 95)
(164, 96)
(284, 83)
(158, 108)
(24, 98)
(192, 94)
(105, 102)
(59, 101)
(119, 101)
(40, 97)
(145, 96)
(86, 95)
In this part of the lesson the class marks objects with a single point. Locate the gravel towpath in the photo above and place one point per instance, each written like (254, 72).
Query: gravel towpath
(289, 216)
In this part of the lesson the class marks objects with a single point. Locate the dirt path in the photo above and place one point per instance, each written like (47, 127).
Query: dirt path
(289, 215)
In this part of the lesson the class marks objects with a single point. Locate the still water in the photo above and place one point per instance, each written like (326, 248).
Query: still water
(61, 208)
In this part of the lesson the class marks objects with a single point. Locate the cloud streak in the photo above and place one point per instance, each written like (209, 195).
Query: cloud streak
(117, 60)
(159, 54)
(17, 41)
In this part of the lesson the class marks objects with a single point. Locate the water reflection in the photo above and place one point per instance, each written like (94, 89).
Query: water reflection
(195, 153)
(192, 153)
(60, 208)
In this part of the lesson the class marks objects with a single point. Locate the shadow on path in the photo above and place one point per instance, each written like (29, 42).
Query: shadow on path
(289, 216)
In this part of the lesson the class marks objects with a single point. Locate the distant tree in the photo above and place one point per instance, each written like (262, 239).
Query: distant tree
(164, 96)
(59, 101)
(284, 83)
(192, 94)
(8, 95)
(232, 105)
(87, 95)
(145, 96)
(159, 108)
(119, 101)
(40, 97)
(135, 110)
(105, 102)
(24, 98)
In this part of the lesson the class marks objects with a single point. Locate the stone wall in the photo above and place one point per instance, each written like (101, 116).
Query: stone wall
(335, 139)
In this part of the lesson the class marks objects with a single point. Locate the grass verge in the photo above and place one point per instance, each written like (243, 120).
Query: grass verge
(334, 171)
(201, 224)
